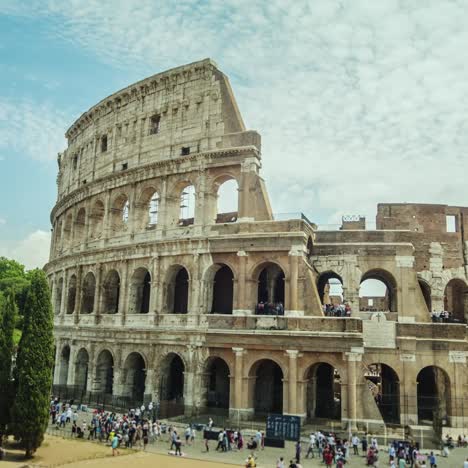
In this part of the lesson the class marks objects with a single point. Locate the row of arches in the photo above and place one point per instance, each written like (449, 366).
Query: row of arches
(220, 277)
(73, 230)
(322, 393)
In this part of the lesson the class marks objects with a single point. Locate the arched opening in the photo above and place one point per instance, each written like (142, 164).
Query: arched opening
(330, 288)
(147, 208)
(433, 395)
(171, 386)
(79, 229)
(81, 369)
(217, 384)
(104, 373)
(64, 363)
(227, 202)
(456, 299)
(426, 292)
(134, 378)
(58, 296)
(223, 290)
(140, 291)
(323, 392)
(178, 290)
(187, 206)
(385, 387)
(153, 209)
(377, 292)
(120, 213)
(97, 220)
(67, 231)
(71, 298)
(268, 388)
(88, 293)
(270, 291)
(111, 293)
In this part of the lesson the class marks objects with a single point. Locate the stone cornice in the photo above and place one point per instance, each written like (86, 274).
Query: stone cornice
(163, 168)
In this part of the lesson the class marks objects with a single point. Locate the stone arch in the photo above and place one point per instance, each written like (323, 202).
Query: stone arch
(172, 385)
(323, 399)
(67, 231)
(79, 227)
(71, 296)
(140, 291)
(456, 299)
(58, 296)
(96, 220)
(377, 278)
(134, 377)
(104, 382)
(111, 293)
(58, 236)
(433, 395)
(226, 188)
(147, 208)
(385, 387)
(81, 369)
(266, 387)
(188, 201)
(64, 364)
(220, 281)
(88, 293)
(426, 292)
(325, 282)
(216, 384)
(119, 213)
(177, 290)
(270, 279)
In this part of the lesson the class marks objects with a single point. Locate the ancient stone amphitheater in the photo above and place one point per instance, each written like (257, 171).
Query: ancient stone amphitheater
(156, 292)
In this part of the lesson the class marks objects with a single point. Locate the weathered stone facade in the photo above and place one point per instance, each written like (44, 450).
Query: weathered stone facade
(155, 303)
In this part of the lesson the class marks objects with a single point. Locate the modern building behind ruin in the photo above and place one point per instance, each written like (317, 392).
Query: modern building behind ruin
(155, 291)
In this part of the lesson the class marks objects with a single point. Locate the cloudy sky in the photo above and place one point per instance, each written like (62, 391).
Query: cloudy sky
(358, 102)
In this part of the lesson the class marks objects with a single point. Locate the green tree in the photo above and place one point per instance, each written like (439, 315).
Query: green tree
(34, 366)
(7, 326)
(14, 277)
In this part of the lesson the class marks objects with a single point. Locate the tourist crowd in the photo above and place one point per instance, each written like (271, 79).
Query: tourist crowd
(337, 310)
(269, 308)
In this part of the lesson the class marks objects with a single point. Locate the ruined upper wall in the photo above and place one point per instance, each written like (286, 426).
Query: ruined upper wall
(186, 110)
(428, 224)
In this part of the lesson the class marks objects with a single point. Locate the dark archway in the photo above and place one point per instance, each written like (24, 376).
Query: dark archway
(385, 388)
(140, 291)
(426, 292)
(223, 291)
(456, 299)
(271, 284)
(71, 298)
(217, 385)
(134, 378)
(64, 364)
(323, 392)
(81, 369)
(330, 288)
(433, 395)
(111, 293)
(104, 373)
(268, 392)
(171, 386)
(378, 292)
(88, 293)
(181, 292)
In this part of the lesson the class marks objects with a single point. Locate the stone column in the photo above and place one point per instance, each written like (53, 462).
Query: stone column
(123, 306)
(293, 280)
(248, 176)
(91, 367)
(78, 295)
(57, 364)
(292, 381)
(352, 358)
(242, 307)
(98, 294)
(107, 217)
(71, 366)
(64, 294)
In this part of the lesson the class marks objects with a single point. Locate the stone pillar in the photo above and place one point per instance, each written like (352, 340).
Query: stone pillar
(91, 367)
(248, 178)
(78, 295)
(98, 294)
(64, 293)
(242, 307)
(352, 358)
(293, 280)
(195, 287)
(57, 364)
(123, 306)
(107, 217)
(240, 410)
(292, 381)
(71, 366)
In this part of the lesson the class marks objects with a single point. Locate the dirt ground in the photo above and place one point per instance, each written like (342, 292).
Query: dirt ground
(56, 451)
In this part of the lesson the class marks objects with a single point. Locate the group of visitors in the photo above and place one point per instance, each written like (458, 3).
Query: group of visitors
(269, 308)
(443, 316)
(227, 440)
(337, 310)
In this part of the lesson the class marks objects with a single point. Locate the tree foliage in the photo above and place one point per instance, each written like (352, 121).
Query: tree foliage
(14, 277)
(34, 365)
(7, 326)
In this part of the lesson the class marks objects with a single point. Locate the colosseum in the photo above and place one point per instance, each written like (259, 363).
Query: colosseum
(160, 295)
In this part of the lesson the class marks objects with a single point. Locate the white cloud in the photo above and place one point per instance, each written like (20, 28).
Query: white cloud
(32, 251)
(2, 221)
(36, 130)
(357, 102)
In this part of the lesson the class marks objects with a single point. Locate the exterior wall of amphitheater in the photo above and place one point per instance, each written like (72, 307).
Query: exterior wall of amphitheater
(151, 304)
